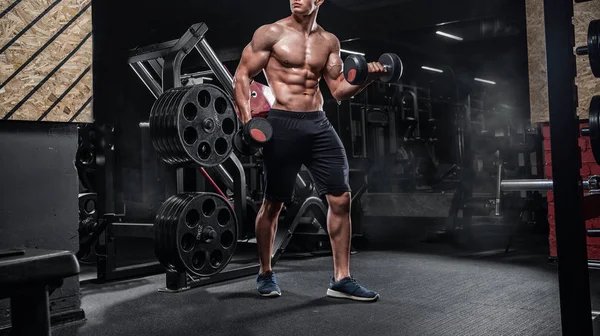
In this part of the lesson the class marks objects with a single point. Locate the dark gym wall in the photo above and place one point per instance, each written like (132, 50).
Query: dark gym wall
(38, 197)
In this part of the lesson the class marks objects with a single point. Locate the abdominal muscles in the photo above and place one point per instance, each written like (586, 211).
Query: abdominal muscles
(295, 88)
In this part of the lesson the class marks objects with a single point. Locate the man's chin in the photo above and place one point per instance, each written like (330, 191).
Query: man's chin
(298, 11)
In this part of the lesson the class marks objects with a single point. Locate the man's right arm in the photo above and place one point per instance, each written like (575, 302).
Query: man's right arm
(254, 58)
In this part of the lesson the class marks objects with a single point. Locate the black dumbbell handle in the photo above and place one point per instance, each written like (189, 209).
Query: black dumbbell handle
(583, 50)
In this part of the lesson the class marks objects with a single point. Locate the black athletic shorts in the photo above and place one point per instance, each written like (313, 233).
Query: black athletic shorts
(303, 138)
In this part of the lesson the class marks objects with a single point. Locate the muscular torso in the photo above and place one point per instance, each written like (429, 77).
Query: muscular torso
(295, 66)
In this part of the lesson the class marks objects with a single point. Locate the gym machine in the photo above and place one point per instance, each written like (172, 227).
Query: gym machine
(192, 128)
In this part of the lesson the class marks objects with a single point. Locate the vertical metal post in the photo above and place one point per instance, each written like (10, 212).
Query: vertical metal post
(363, 131)
(573, 276)
(499, 166)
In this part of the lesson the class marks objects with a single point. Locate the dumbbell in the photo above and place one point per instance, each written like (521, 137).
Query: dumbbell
(356, 69)
(592, 49)
(253, 136)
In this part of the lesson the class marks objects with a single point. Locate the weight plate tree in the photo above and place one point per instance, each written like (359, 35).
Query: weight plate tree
(193, 124)
(195, 233)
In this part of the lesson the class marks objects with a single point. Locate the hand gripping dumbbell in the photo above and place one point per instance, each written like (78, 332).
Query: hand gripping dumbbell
(253, 136)
(356, 70)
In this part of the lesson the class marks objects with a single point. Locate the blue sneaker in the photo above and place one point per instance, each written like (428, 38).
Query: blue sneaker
(267, 284)
(348, 288)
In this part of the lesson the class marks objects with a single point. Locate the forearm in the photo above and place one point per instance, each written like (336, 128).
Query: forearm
(241, 93)
(345, 90)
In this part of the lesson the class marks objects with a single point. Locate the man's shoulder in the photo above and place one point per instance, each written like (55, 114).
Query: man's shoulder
(330, 38)
(268, 34)
(271, 29)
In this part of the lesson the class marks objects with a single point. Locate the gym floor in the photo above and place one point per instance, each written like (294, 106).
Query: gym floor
(426, 289)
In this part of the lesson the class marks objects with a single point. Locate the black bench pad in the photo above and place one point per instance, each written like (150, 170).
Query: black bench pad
(18, 266)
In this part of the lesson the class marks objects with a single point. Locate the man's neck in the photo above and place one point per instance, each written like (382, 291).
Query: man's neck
(305, 23)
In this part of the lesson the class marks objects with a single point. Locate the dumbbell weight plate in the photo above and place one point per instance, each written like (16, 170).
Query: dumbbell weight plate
(254, 135)
(258, 131)
(241, 146)
(394, 66)
(594, 127)
(356, 69)
(593, 47)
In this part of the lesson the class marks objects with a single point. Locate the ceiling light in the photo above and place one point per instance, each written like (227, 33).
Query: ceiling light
(485, 81)
(447, 23)
(454, 37)
(431, 69)
(352, 52)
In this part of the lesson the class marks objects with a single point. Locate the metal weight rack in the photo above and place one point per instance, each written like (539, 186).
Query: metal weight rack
(159, 67)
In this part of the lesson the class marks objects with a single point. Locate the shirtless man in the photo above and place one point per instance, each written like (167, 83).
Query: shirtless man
(295, 53)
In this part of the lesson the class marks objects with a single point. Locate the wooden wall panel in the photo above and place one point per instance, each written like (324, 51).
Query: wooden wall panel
(46, 60)
(536, 49)
(587, 84)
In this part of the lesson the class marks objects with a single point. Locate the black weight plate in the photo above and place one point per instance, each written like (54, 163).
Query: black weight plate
(168, 246)
(171, 135)
(159, 249)
(87, 204)
(159, 231)
(221, 109)
(152, 120)
(172, 227)
(395, 67)
(167, 114)
(226, 239)
(180, 229)
(262, 125)
(179, 137)
(156, 128)
(85, 157)
(87, 180)
(241, 147)
(202, 248)
(226, 123)
(162, 242)
(594, 126)
(160, 130)
(211, 103)
(152, 125)
(594, 47)
(356, 69)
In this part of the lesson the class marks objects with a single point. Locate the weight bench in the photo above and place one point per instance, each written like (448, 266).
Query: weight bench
(26, 277)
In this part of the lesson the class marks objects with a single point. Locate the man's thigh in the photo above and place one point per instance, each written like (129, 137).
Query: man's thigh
(328, 163)
(281, 162)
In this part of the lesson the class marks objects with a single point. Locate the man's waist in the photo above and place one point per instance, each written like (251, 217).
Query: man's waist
(297, 114)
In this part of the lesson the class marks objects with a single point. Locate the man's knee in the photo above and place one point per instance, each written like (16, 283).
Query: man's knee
(339, 204)
(270, 209)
